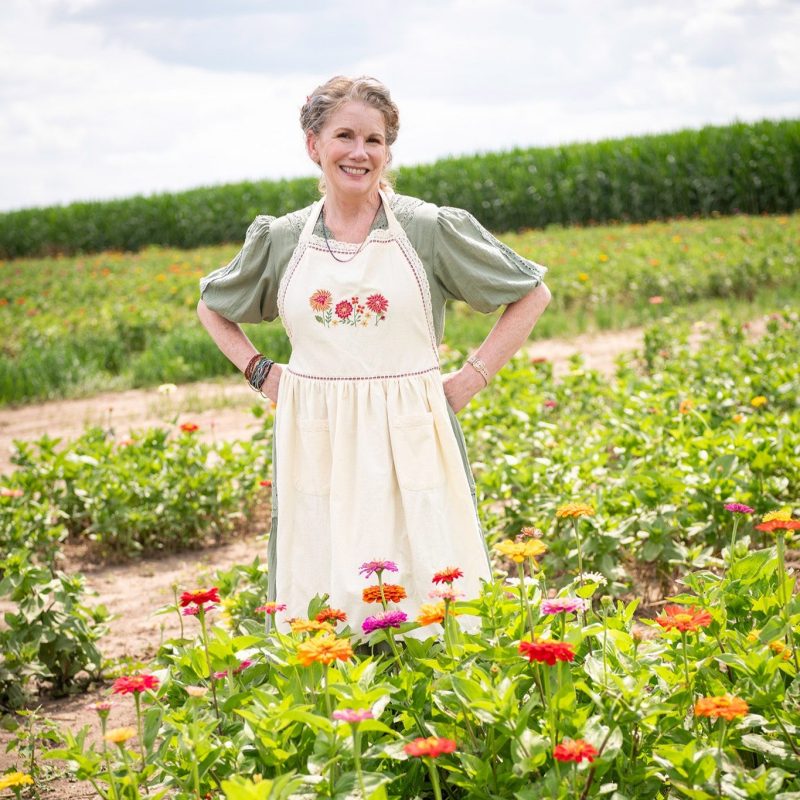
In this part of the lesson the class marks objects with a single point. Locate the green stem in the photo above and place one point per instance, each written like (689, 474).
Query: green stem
(357, 757)
(731, 558)
(138, 702)
(328, 709)
(131, 773)
(580, 551)
(549, 703)
(204, 633)
(390, 638)
(523, 593)
(437, 790)
(722, 731)
(685, 661)
(785, 732)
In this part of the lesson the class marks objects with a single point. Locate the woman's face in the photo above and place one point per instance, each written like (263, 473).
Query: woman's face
(351, 149)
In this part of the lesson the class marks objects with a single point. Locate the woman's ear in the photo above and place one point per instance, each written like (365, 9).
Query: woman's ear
(311, 146)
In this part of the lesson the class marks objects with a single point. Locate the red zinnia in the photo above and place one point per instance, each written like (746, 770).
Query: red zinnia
(431, 747)
(201, 596)
(134, 684)
(547, 651)
(328, 614)
(683, 619)
(448, 575)
(576, 751)
(344, 309)
(377, 303)
(189, 427)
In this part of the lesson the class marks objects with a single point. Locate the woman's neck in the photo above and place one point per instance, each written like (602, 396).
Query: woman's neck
(349, 219)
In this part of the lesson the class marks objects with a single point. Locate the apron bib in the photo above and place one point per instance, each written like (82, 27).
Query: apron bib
(367, 465)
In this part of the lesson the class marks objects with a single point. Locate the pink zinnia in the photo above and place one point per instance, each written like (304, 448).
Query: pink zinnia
(352, 715)
(563, 605)
(134, 684)
(739, 508)
(389, 619)
(194, 611)
(272, 608)
(376, 567)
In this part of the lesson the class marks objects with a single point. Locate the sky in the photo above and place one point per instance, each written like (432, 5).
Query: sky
(111, 98)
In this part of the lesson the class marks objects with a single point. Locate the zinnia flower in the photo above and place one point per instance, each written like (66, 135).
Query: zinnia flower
(547, 651)
(782, 514)
(120, 735)
(309, 626)
(565, 605)
(683, 619)
(519, 551)
(200, 597)
(6, 492)
(377, 567)
(344, 309)
(429, 613)
(577, 751)
(134, 684)
(193, 611)
(389, 619)
(449, 594)
(726, 706)
(432, 747)
(758, 401)
(196, 691)
(266, 483)
(272, 608)
(393, 593)
(324, 650)
(739, 508)
(352, 715)
(12, 779)
(320, 300)
(685, 406)
(574, 510)
(447, 575)
(189, 427)
(331, 614)
(779, 525)
(102, 707)
(377, 303)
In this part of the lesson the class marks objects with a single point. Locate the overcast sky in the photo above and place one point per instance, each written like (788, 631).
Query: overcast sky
(109, 98)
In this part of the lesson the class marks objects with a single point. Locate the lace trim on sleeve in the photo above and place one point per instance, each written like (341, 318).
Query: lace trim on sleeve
(529, 267)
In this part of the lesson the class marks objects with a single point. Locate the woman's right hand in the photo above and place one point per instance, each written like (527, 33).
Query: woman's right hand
(271, 384)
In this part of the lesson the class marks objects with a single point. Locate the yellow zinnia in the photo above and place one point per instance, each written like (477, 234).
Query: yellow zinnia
(429, 613)
(309, 626)
(758, 401)
(519, 551)
(15, 779)
(120, 735)
(324, 649)
(784, 515)
(575, 510)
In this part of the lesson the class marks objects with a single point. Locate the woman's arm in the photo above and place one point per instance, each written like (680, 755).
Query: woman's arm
(235, 345)
(506, 337)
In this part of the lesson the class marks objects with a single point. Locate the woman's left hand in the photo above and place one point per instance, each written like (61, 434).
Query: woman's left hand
(460, 387)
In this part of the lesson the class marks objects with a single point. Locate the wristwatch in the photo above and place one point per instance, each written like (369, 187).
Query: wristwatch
(478, 364)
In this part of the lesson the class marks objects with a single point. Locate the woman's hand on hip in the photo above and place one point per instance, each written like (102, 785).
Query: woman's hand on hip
(273, 381)
(460, 387)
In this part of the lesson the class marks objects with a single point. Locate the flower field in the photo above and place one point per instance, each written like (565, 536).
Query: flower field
(116, 320)
(569, 682)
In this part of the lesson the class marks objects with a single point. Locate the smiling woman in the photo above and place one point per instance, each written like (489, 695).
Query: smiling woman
(369, 457)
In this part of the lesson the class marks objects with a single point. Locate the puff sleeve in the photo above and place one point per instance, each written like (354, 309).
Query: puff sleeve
(246, 289)
(472, 265)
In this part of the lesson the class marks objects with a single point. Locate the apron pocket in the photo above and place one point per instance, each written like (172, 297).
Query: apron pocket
(415, 446)
(312, 462)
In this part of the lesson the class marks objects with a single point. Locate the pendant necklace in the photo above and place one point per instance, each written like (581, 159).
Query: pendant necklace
(328, 244)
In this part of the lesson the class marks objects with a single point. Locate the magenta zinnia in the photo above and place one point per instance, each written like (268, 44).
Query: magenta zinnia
(739, 508)
(369, 568)
(389, 619)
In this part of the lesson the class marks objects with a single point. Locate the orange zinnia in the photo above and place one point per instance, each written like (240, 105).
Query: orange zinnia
(324, 650)
(429, 613)
(726, 706)
(779, 525)
(331, 614)
(393, 593)
(575, 510)
(683, 619)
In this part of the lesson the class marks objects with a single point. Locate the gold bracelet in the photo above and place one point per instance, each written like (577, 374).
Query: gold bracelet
(480, 367)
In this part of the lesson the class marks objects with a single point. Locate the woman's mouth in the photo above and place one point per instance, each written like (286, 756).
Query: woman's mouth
(354, 170)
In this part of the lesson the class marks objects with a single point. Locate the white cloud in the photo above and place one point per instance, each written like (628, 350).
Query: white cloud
(103, 98)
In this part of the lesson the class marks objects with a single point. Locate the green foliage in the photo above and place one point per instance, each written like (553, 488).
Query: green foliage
(739, 168)
(155, 492)
(51, 634)
(112, 321)
(267, 730)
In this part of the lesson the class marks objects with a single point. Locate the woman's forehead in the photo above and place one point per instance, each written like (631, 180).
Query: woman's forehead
(358, 116)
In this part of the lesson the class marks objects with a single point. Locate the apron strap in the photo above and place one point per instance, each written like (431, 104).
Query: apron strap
(311, 222)
(395, 228)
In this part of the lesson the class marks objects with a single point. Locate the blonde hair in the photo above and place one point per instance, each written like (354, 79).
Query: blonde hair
(333, 94)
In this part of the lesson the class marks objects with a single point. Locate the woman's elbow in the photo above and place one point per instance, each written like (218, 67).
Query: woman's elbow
(542, 295)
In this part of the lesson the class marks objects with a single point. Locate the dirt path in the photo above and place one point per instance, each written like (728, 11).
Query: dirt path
(222, 408)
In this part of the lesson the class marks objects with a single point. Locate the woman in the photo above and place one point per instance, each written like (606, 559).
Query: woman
(369, 459)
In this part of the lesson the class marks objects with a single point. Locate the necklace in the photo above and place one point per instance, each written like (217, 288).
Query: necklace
(328, 244)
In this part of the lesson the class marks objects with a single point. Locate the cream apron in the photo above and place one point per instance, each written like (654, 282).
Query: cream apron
(367, 465)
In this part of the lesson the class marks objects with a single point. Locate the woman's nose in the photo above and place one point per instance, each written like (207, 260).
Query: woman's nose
(359, 147)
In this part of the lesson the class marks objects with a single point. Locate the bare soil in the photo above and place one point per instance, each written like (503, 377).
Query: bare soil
(135, 592)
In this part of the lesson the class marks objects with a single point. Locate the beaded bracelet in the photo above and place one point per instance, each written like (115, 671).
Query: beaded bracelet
(259, 372)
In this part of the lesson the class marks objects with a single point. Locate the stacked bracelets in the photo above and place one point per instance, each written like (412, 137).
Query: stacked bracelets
(257, 370)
